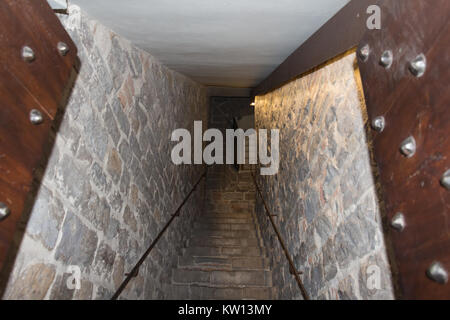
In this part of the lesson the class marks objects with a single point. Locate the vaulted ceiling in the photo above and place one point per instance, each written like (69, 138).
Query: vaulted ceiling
(234, 43)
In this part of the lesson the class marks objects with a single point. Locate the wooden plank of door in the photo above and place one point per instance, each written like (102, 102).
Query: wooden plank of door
(33, 24)
(418, 107)
(39, 84)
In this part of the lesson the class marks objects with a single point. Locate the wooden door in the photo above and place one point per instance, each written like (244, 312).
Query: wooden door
(36, 60)
(405, 69)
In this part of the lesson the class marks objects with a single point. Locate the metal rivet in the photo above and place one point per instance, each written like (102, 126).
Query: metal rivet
(418, 65)
(386, 59)
(4, 211)
(378, 124)
(28, 54)
(62, 48)
(437, 272)
(398, 221)
(408, 147)
(364, 52)
(36, 117)
(445, 180)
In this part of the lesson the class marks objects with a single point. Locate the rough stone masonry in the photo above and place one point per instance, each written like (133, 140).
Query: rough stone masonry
(110, 186)
(324, 194)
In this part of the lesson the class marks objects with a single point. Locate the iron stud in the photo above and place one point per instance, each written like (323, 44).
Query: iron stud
(63, 48)
(386, 59)
(408, 147)
(398, 221)
(378, 124)
(4, 211)
(36, 117)
(364, 52)
(437, 273)
(445, 180)
(28, 54)
(418, 66)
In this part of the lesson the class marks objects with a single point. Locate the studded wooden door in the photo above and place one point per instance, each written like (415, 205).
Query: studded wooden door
(405, 69)
(36, 61)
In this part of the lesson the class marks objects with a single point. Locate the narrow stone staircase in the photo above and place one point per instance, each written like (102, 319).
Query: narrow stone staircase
(225, 258)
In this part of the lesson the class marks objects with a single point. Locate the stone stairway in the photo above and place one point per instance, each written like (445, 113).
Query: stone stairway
(225, 258)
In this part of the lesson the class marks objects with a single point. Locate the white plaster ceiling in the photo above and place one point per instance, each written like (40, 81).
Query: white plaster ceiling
(235, 43)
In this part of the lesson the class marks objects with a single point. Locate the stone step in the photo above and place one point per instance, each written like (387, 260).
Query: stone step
(236, 263)
(203, 251)
(258, 278)
(223, 226)
(225, 257)
(199, 292)
(198, 226)
(225, 196)
(219, 242)
(228, 215)
(229, 212)
(224, 234)
(236, 207)
(226, 210)
(226, 220)
(185, 261)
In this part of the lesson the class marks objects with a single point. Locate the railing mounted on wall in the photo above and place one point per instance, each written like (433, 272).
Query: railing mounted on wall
(134, 272)
(293, 270)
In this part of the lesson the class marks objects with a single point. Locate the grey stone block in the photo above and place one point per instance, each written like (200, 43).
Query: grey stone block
(78, 243)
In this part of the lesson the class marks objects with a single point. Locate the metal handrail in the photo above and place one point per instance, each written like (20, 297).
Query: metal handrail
(292, 267)
(133, 273)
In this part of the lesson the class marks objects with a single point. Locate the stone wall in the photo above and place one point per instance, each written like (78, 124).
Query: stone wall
(110, 185)
(324, 193)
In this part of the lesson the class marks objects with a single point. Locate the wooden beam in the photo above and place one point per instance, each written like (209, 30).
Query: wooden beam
(341, 33)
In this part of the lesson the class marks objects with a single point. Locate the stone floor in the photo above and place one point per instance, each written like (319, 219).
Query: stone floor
(225, 257)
